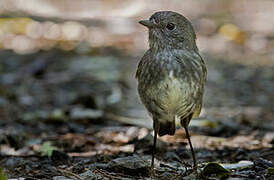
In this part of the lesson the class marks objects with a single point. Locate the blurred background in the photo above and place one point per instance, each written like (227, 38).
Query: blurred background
(68, 67)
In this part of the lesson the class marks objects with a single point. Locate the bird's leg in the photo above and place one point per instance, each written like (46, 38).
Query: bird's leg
(153, 148)
(191, 148)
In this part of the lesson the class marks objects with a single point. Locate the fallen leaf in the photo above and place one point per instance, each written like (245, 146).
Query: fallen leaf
(215, 169)
(239, 166)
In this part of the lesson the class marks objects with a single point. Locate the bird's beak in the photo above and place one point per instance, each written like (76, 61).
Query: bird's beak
(147, 23)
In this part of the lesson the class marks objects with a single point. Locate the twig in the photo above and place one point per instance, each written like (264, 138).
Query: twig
(267, 153)
(70, 174)
(111, 176)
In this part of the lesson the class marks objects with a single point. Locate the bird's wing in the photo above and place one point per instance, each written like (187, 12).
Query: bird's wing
(141, 64)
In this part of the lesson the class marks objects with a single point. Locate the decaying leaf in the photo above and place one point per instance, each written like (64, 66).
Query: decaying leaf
(239, 166)
(215, 169)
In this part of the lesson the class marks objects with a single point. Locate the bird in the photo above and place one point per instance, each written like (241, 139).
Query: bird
(171, 75)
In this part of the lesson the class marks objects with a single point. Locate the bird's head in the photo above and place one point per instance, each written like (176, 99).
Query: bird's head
(169, 29)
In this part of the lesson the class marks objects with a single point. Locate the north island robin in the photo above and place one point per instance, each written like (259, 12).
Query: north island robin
(171, 75)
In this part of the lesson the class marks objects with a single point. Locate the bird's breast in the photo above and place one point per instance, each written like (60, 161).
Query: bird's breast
(173, 94)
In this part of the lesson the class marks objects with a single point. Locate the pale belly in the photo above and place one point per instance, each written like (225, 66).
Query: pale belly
(175, 98)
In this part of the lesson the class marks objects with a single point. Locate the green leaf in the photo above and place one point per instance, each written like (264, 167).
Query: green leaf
(2, 175)
(215, 169)
(270, 171)
(47, 149)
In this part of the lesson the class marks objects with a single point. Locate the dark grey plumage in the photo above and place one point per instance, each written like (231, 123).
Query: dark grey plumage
(171, 75)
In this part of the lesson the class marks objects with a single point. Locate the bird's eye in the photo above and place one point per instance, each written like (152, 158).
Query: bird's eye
(152, 20)
(170, 26)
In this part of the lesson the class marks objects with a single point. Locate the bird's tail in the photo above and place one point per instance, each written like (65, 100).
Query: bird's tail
(165, 127)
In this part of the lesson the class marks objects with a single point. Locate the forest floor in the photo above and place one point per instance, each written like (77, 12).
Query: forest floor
(74, 116)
